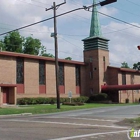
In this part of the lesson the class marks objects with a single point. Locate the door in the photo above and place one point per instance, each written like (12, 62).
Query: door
(5, 95)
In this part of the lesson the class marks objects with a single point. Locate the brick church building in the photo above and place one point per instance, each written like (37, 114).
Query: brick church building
(23, 75)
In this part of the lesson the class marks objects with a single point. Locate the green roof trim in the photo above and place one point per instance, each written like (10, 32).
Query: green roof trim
(95, 42)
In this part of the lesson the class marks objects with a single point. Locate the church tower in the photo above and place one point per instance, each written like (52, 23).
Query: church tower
(96, 56)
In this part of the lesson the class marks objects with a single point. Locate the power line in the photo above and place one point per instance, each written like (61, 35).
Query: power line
(70, 42)
(31, 3)
(45, 20)
(119, 19)
(67, 13)
(40, 2)
(133, 3)
(126, 11)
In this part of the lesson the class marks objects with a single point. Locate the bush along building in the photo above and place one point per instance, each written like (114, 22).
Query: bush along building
(23, 75)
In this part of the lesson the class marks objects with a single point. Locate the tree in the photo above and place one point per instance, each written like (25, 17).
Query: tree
(13, 42)
(124, 65)
(136, 66)
(48, 55)
(68, 58)
(32, 46)
(2, 47)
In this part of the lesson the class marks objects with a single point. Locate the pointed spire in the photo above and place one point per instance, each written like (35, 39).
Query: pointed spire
(95, 29)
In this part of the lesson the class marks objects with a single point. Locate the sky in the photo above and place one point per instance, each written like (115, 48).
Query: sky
(74, 27)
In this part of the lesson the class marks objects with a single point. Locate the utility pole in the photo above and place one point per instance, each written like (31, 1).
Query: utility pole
(56, 58)
(54, 7)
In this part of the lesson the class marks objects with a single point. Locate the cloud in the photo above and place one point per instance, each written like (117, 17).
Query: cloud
(18, 13)
(124, 40)
(108, 11)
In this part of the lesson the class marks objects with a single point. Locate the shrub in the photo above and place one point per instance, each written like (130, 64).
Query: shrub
(51, 100)
(40, 100)
(98, 97)
(72, 104)
(22, 101)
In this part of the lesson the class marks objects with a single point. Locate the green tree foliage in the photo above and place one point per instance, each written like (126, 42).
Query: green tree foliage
(48, 55)
(2, 47)
(136, 66)
(68, 58)
(13, 42)
(124, 65)
(32, 46)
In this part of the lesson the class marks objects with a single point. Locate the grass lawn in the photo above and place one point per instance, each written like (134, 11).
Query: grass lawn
(43, 109)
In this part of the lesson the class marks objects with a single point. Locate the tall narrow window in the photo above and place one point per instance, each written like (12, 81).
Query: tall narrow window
(77, 72)
(20, 70)
(123, 78)
(42, 72)
(104, 63)
(91, 70)
(61, 74)
(132, 79)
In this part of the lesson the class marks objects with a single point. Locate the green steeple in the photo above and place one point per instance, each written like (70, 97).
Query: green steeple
(95, 39)
(95, 29)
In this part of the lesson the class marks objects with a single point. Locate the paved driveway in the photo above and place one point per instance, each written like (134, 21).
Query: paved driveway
(87, 124)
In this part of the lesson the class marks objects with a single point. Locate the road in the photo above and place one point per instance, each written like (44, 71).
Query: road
(87, 124)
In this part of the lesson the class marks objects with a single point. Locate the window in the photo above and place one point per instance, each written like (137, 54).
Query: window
(20, 70)
(77, 73)
(123, 78)
(132, 79)
(91, 91)
(104, 58)
(61, 74)
(42, 72)
(91, 70)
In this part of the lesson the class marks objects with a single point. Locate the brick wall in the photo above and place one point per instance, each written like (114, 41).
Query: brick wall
(113, 76)
(31, 76)
(132, 95)
(7, 70)
(50, 79)
(103, 63)
(70, 81)
(99, 69)
(83, 81)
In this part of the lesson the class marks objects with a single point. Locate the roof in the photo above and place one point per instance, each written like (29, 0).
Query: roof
(106, 88)
(8, 85)
(95, 29)
(13, 54)
(124, 69)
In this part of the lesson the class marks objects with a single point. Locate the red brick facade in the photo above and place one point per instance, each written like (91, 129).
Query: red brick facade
(31, 86)
(94, 73)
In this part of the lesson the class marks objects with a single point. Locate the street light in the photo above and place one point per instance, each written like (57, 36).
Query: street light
(107, 2)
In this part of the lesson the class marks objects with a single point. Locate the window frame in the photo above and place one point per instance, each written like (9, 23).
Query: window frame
(42, 74)
(20, 70)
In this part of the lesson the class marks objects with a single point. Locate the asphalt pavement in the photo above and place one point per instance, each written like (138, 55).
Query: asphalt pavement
(86, 124)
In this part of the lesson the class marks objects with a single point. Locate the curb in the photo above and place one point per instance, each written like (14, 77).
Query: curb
(10, 115)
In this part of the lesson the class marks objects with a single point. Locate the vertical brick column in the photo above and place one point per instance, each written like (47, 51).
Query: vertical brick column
(1, 101)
